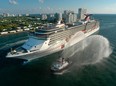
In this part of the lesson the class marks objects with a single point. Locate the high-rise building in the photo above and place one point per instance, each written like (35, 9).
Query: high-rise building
(81, 13)
(43, 16)
(19, 15)
(6, 14)
(58, 16)
(26, 14)
(75, 17)
(69, 16)
(50, 17)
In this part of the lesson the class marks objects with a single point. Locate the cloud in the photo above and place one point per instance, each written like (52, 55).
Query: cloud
(13, 2)
(41, 1)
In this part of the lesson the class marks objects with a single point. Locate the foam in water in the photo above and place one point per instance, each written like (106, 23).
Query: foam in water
(89, 51)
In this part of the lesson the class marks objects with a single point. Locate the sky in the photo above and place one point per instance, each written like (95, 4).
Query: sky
(52, 6)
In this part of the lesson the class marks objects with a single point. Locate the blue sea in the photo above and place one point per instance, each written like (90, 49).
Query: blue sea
(37, 72)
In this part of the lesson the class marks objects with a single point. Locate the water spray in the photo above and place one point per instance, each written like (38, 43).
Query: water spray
(89, 51)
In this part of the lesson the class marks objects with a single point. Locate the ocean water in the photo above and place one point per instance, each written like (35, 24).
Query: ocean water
(94, 72)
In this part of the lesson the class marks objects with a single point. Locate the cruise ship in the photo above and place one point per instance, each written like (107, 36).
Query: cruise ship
(51, 39)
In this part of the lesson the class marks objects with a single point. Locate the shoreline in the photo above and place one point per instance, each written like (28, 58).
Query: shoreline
(12, 33)
(9, 33)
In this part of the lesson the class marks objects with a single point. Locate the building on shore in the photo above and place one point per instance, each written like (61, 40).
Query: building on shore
(26, 14)
(58, 16)
(19, 15)
(81, 13)
(51, 17)
(6, 14)
(69, 16)
(43, 16)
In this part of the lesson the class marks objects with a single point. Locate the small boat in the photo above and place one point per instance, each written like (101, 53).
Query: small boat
(60, 65)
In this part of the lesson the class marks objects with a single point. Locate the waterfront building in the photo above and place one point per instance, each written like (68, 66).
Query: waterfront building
(19, 15)
(26, 14)
(69, 16)
(50, 17)
(6, 14)
(13, 15)
(81, 13)
(43, 16)
(58, 16)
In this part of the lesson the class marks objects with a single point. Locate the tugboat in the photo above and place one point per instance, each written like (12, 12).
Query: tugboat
(60, 65)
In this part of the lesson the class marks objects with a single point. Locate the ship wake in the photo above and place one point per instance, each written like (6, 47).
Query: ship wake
(89, 51)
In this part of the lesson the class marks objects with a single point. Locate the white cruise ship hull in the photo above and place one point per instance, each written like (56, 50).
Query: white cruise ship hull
(54, 47)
